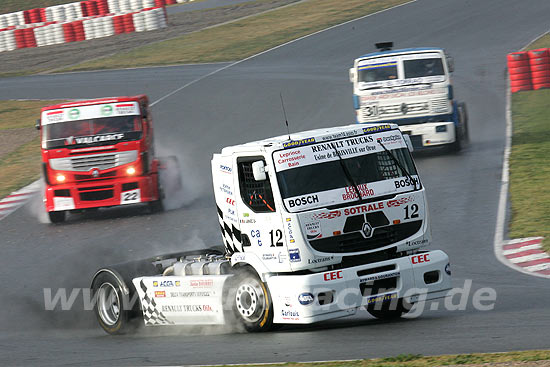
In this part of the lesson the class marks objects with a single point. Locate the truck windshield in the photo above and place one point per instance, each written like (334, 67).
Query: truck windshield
(96, 131)
(423, 67)
(378, 72)
(317, 179)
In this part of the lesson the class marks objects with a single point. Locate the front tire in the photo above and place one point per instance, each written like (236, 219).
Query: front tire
(461, 129)
(111, 305)
(57, 217)
(251, 302)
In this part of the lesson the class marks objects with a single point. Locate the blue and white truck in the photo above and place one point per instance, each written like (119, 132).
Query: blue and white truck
(412, 88)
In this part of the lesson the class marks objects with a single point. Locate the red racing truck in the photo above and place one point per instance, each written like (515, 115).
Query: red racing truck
(98, 153)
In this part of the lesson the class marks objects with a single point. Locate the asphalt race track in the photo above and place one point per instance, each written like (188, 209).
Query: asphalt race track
(241, 103)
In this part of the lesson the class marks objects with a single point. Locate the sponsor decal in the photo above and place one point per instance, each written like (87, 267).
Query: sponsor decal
(54, 116)
(226, 189)
(416, 243)
(383, 298)
(225, 169)
(290, 232)
(165, 283)
(320, 260)
(126, 108)
(187, 308)
(313, 230)
(405, 182)
(333, 275)
(290, 158)
(267, 257)
(351, 194)
(288, 314)
(160, 294)
(306, 299)
(281, 257)
(329, 215)
(375, 129)
(304, 200)
(230, 201)
(298, 143)
(92, 139)
(419, 259)
(294, 254)
(340, 135)
(201, 283)
(380, 276)
(364, 208)
(248, 221)
(400, 201)
(74, 113)
(106, 110)
(189, 294)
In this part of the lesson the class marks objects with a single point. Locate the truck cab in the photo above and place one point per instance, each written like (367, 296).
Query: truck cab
(98, 153)
(411, 87)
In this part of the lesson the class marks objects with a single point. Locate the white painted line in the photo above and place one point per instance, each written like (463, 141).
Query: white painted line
(538, 267)
(271, 49)
(521, 249)
(532, 257)
(498, 241)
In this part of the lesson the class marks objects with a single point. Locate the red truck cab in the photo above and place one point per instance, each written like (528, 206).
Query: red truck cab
(98, 153)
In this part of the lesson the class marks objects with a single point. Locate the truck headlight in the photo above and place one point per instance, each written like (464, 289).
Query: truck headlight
(441, 129)
(130, 171)
(60, 178)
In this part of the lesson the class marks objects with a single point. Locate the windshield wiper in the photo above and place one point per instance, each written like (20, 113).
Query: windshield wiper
(398, 163)
(347, 173)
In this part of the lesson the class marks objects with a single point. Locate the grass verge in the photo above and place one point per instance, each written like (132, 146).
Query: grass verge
(529, 168)
(21, 165)
(243, 38)
(414, 360)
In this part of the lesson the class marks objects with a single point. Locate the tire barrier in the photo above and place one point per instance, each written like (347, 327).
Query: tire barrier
(80, 21)
(529, 70)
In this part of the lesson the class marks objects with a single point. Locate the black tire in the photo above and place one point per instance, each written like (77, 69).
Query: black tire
(157, 206)
(251, 302)
(389, 310)
(111, 305)
(57, 217)
(464, 112)
(461, 129)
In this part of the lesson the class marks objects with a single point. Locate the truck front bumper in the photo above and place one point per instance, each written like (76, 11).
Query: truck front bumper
(104, 193)
(305, 299)
(430, 134)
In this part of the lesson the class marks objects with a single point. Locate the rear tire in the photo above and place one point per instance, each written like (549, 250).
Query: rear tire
(461, 129)
(57, 217)
(390, 310)
(110, 306)
(157, 206)
(251, 302)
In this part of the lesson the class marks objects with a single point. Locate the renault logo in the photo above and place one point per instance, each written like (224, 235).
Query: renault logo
(367, 230)
(95, 173)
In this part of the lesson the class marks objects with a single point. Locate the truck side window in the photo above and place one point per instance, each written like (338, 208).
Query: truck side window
(257, 195)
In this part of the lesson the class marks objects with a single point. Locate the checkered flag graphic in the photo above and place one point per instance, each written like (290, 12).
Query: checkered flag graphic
(151, 314)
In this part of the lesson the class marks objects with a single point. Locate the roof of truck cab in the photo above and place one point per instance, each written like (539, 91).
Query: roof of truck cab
(308, 137)
(88, 102)
(402, 50)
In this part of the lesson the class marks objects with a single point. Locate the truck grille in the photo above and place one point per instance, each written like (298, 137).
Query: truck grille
(87, 162)
(355, 242)
(96, 193)
(440, 105)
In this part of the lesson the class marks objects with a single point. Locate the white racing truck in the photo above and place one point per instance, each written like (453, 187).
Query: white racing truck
(315, 225)
(412, 88)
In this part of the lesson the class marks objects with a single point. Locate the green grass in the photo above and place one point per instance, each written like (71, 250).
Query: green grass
(246, 37)
(529, 162)
(415, 360)
(21, 166)
(9, 6)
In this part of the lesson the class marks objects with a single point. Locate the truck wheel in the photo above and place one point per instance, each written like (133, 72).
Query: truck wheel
(109, 306)
(251, 302)
(463, 116)
(157, 206)
(390, 310)
(57, 217)
(461, 129)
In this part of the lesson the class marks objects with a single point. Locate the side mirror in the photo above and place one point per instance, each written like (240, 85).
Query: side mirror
(37, 124)
(144, 111)
(258, 169)
(450, 64)
(408, 142)
(352, 75)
